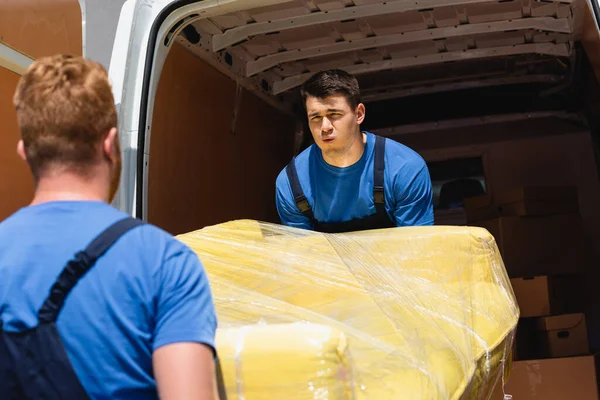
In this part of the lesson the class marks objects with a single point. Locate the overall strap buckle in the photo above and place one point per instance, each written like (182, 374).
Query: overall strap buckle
(299, 197)
(378, 170)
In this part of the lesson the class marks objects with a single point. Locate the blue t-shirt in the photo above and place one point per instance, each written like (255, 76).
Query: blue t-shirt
(147, 291)
(341, 194)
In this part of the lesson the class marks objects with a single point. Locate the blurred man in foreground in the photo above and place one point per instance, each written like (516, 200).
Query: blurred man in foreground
(138, 323)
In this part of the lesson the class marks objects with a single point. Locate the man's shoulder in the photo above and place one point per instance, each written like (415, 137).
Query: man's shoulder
(146, 235)
(87, 220)
(151, 239)
(394, 148)
(401, 157)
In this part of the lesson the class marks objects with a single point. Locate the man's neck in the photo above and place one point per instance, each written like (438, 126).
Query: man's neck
(351, 155)
(67, 186)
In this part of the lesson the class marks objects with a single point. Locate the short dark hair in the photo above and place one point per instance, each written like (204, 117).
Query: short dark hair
(333, 82)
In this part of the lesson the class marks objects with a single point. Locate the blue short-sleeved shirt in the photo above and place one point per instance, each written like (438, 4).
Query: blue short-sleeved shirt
(147, 291)
(341, 194)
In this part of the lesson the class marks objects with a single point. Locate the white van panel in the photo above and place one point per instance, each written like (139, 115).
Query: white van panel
(99, 24)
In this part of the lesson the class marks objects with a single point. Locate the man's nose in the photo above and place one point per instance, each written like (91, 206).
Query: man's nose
(326, 125)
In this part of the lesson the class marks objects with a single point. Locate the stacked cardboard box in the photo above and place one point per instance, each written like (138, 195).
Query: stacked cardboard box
(540, 235)
(538, 229)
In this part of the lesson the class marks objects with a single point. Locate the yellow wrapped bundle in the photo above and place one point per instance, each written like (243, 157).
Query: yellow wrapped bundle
(428, 312)
(279, 361)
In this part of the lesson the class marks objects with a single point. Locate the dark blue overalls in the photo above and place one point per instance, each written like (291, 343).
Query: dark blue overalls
(34, 363)
(379, 220)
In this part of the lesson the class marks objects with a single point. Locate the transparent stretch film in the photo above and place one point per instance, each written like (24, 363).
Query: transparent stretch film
(401, 313)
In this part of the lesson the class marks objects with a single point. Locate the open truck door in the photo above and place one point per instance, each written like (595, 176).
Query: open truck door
(145, 34)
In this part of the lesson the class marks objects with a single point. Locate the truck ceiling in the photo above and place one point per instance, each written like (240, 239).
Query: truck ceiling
(276, 47)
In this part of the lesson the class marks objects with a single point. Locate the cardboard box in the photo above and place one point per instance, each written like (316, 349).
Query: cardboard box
(523, 201)
(537, 200)
(480, 208)
(548, 337)
(563, 335)
(541, 296)
(550, 245)
(451, 217)
(551, 379)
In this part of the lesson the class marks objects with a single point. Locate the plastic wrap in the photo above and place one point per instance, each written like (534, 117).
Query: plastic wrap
(283, 360)
(401, 313)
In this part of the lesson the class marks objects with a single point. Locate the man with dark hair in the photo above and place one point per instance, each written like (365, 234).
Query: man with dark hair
(350, 180)
(93, 303)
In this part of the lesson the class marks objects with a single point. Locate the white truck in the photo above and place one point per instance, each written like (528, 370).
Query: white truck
(504, 93)
(435, 74)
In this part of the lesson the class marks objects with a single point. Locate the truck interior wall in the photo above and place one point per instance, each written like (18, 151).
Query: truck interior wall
(202, 171)
(590, 88)
(16, 187)
(37, 28)
(550, 160)
(560, 159)
(41, 27)
(590, 91)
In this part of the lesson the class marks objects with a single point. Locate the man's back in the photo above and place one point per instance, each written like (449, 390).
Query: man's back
(147, 291)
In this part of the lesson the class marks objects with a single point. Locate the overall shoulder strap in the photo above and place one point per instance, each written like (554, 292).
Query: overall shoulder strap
(378, 170)
(299, 197)
(82, 263)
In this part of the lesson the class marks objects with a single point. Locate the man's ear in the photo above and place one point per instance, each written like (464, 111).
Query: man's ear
(21, 150)
(109, 143)
(360, 113)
